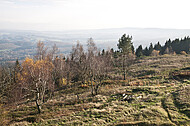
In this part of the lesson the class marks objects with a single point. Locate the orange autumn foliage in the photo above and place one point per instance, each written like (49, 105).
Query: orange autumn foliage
(36, 71)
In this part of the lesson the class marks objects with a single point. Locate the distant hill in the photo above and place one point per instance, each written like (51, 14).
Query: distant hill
(144, 36)
(104, 38)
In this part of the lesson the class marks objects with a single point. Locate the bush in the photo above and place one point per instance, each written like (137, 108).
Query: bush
(3, 114)
(183, 53)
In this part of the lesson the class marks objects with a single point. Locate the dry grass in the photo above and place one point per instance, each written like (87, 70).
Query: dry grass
(157, 99)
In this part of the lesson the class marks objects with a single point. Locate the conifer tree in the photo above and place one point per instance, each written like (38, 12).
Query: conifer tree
(126, 50)
(157, 46)
(146, 52)
(139, 51)
(150, 48)
(125, 44)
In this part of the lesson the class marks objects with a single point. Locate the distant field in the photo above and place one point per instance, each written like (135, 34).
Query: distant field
(8, 46)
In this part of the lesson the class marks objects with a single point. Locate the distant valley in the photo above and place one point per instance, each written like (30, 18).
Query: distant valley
(19, 44)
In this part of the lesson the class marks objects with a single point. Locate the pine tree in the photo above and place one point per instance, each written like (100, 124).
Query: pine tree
(139, 51)
(132, 49)
(125, 44)
(103, 52)
(157, 46)
(126, 48)
(150, 49)
(146, 52)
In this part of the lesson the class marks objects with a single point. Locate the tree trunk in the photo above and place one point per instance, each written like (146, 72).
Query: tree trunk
(37, 103)
(124, 69)
(92, 87)
(38, 106)
(96, 89)
(124, 74)
(78, 99)
(68, 78)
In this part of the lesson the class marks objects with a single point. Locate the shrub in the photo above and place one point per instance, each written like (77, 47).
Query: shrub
(3, 115)
(183, 53)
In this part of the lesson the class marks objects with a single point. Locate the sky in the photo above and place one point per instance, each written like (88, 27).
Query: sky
(57, 15)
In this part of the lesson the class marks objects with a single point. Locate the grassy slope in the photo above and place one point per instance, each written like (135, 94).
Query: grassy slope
(160, 100)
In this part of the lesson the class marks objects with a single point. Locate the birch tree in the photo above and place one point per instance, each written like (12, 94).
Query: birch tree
(36, 79)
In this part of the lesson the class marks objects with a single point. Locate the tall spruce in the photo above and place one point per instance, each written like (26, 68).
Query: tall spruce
(139, 51)
(157, 46)
(146, 51)
(150, 48)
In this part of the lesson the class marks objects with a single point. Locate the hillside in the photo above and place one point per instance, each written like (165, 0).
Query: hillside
(156, 92)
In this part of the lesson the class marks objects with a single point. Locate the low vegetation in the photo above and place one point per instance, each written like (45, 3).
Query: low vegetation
(97, 88)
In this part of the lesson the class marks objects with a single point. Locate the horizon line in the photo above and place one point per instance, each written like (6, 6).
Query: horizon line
(93, 29)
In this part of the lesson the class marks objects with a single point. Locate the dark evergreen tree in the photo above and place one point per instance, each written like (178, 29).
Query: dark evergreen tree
(112, 50)
(125, 44)
(157, 46)
(169, 43)
(103, 52)
(146, 52)
(177, 46)
(150, 49)
(139, 51)
(132, 49)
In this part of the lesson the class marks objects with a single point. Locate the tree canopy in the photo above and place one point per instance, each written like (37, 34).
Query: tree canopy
(125, 44)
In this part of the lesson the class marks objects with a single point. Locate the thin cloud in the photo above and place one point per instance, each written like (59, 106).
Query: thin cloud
(33, 1)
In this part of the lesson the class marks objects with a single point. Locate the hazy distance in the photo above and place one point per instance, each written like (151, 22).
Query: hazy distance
(59, 15)
(104, 38)
(25, 22)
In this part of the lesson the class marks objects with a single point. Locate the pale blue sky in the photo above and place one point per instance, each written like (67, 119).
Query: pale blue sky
(93, 14)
